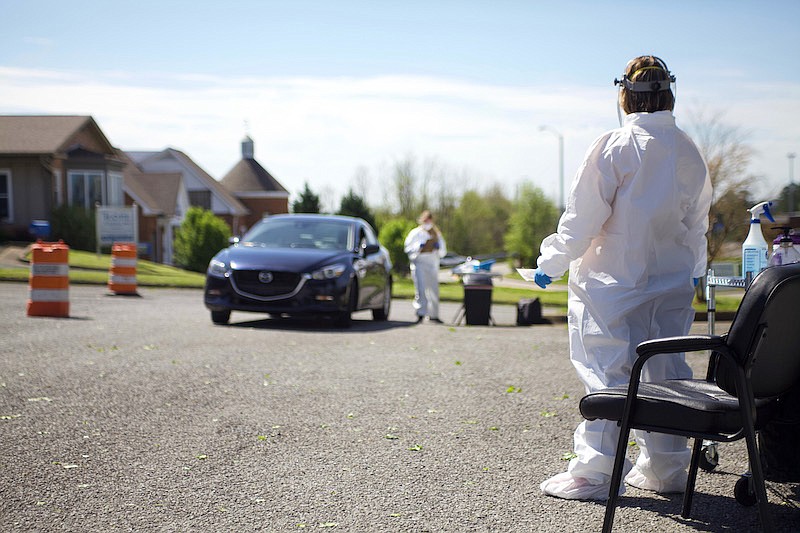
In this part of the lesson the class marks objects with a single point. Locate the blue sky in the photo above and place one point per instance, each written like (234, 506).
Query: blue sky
(331, 90)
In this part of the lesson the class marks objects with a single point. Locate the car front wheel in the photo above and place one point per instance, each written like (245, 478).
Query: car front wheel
(344, 318)
(220, 317)
(382, 313)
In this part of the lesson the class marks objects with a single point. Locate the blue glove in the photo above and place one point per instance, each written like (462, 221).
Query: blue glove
(421, 246)
(541, 279)
(436, 246)
(695, 281)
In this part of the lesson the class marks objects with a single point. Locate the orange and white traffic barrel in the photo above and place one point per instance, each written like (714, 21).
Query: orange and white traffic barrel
(49, 280)
(122, 277)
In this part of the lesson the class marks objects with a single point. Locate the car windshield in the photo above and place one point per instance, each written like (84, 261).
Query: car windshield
(300, 233)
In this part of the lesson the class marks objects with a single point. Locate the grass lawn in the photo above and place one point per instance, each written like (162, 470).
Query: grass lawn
(90, 268)
(454, 292)
(404, 288)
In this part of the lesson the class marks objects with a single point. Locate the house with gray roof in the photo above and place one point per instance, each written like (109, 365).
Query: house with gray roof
(48, 161)
(51, 160)
(202, 189)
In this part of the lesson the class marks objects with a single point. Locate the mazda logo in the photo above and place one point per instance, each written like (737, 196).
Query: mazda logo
(265, 277)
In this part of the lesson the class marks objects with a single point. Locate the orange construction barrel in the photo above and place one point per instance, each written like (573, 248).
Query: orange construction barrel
(122, 277)
(49, 280)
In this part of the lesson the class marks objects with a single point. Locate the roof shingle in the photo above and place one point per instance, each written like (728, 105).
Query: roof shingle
(249, 176)
(41, 134)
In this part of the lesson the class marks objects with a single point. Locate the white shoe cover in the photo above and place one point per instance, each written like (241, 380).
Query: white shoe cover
(576, 488)
(676, 484)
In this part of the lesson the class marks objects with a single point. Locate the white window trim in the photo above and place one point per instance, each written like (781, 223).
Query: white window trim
(115, 176)
(9, 183)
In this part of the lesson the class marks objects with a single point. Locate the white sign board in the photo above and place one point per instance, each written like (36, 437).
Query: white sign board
(116, 224)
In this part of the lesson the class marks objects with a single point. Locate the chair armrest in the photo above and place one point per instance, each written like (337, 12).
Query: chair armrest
(667, 345)
(688, 343)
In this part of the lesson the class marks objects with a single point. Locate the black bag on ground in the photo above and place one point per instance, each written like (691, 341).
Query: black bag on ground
(529, 312)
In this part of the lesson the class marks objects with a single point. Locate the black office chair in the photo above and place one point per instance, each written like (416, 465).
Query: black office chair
(749, 368)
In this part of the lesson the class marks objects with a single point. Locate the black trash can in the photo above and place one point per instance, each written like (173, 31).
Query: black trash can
(477, 298)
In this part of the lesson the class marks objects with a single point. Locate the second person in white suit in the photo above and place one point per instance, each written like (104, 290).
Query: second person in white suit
(424, 246)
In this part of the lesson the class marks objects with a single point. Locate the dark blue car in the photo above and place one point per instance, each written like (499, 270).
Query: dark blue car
(294, 265)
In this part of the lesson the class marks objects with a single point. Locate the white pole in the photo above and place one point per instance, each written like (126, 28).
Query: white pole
(790, 156)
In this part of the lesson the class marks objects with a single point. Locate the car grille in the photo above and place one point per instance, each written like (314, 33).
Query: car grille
(283, 284)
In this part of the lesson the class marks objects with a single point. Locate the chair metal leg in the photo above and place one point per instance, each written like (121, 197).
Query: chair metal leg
(688, 493)
(747, 410)
(758, 478)
(616, 478)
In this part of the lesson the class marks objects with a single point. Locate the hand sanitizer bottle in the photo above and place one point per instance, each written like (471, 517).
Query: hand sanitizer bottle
(755, 252)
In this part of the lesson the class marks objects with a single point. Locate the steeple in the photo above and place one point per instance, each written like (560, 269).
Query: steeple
(248, 148)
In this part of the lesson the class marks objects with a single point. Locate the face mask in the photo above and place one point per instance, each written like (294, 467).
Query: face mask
(427, 226)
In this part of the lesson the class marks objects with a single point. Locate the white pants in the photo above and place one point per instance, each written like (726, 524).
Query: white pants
(425, 273)
(603, 340)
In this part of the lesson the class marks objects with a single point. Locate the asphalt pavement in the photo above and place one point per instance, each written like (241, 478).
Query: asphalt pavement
(137, 414)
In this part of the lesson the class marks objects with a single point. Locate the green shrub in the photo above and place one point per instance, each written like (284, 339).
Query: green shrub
(392, 235)
(75, 226)
(200, 237)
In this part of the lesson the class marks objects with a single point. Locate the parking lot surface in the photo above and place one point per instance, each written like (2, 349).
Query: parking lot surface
(137, 414)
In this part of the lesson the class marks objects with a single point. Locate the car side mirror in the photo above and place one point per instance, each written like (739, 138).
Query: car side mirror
(233, 240)
(370, 249)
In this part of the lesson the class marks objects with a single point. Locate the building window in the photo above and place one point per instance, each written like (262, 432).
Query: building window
(200, 199)
(6, 211)
(116, 196)
(85, 188)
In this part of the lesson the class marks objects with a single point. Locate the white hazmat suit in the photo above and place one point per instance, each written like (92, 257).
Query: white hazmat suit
(632, 237)
(424, 248)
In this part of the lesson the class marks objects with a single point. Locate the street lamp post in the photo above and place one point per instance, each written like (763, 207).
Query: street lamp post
(557, 133)
(790, 156)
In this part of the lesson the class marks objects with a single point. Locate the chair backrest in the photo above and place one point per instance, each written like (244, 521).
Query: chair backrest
(765, 333)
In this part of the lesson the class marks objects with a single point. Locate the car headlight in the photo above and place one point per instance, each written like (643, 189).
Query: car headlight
(218, 268)
(329, 272)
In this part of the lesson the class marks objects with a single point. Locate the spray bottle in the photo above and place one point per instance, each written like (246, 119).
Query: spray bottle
(755, 252)
(786, 252)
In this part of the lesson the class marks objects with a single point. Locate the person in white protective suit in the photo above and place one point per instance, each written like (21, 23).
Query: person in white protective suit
(425, 245)
(633, 239)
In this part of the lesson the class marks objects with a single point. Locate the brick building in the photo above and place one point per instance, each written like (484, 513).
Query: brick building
(255, 187)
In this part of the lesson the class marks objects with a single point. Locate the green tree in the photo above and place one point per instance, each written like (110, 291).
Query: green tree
(445, 204)
(307, 203)
(788, 200)
(471, 233)
(354, 206)
(500, 208)
(393, 235)
(200, 237)
(476, 224)
(405, 185)
(534, 217)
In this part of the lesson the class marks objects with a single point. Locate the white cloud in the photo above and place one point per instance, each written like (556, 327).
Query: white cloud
(321, 130)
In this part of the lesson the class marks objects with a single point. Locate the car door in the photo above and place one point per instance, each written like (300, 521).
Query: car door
(371, 271)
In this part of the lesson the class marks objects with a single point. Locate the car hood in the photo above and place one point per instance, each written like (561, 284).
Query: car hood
(281, 259)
